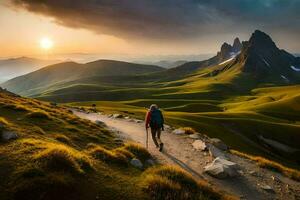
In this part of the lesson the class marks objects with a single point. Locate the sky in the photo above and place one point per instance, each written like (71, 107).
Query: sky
(142, 27)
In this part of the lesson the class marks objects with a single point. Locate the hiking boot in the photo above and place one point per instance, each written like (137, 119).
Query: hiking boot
(161, 146)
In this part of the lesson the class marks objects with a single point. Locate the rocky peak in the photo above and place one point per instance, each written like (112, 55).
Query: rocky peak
(261, 41)
(237, 45)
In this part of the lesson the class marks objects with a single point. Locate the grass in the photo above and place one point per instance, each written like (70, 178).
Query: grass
(38, 115)
(60, 156)
(138, 151)
(268, 164)
(240, 119)
(105, 155)
(64, 159)
(188, 130)
(169, 182)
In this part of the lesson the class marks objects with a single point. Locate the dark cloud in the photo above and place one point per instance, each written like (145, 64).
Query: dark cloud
(169, 19)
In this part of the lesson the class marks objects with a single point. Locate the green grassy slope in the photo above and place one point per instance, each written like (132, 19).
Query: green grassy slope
(60, 156)
(36, 82)
(238, 120)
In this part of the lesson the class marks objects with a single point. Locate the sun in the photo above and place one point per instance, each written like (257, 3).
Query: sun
(46, 43)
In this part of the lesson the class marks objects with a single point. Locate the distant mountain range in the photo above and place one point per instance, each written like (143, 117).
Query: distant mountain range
(240, 66)
(10, 68)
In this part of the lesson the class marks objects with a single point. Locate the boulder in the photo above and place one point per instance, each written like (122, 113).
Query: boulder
(149, 163)
(199, 145)
(266, 188)
(136, 163)
(101, 123)
(117, 116)
(8, 135)
(195, 136)
(222, 168)
(179, 131)
(219, 144)
(216, 152)
(167, 127)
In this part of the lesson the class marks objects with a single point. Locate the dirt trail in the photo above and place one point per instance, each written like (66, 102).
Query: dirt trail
(178, 150)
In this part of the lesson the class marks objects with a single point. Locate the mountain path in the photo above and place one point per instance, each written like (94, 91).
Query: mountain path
(178, 150)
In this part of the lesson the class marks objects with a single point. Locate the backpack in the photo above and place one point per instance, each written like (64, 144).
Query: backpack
(156, 120)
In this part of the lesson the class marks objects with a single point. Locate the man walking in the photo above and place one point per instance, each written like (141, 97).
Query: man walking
(155, 120)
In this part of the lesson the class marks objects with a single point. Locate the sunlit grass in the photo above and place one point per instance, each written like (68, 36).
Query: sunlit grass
(268, 164)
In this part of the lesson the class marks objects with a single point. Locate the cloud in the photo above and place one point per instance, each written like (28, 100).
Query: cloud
(168, 19)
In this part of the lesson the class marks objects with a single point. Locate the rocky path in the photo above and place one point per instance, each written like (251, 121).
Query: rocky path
(253, 183)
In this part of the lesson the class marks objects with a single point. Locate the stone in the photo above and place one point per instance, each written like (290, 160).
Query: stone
(149, 163)
(136, 163)
(216, 152)
(195, 136)
(8, 135)
(178, 132)
(101, 123)
(253, 173)
(219, 144)
(138, 121)
(127, 117)
(267, 188)
(222, 168)
(167, 127)
(117, 116)
(199, 145)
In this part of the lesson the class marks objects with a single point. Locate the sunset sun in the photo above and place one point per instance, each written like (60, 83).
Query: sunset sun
(46, 43)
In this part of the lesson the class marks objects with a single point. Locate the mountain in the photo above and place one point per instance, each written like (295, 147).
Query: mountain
(226, 53)
(263, 62)
(14, 67)
(71, 71)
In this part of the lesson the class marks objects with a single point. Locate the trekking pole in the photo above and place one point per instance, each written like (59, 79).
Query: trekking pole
(147, 138)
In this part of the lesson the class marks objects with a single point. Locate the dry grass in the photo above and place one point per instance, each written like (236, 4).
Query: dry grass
(188, 130)
(125, 152)
(108, 156)
(3, 121)
(62, 158)
(38, 115)
(62, 138)
(169, 182)
(268, 164)
(15, 107)
(139, 151)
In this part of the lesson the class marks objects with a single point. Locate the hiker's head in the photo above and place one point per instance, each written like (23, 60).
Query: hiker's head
(153, 107)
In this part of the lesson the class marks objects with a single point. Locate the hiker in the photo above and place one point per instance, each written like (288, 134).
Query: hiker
(155, 120)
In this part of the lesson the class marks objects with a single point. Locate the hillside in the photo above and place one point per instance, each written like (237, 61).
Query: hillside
(46, 152)
(69, 71)
(237, 96)
(10, 68)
